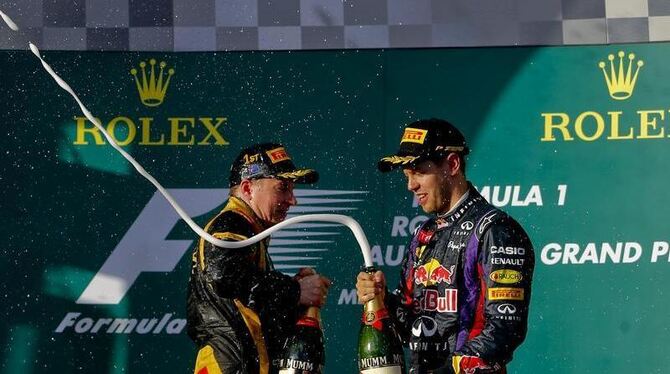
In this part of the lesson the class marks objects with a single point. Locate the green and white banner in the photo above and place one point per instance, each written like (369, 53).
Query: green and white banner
(571, 141)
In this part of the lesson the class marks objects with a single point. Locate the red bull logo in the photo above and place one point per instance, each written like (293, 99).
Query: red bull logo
(432, 301)
(433, 273)
(470, 365)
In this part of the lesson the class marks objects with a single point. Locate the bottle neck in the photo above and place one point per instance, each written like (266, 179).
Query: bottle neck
(374, 312)
(374, 305)
(311, 318)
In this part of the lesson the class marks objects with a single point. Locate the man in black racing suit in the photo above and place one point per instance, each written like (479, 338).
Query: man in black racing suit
(240, 310)
(462, 301)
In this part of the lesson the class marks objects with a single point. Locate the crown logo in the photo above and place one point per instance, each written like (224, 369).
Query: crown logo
(152, 89)
(621, 79)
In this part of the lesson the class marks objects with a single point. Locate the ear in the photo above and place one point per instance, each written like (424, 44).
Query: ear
(453, 164)
(246, 187)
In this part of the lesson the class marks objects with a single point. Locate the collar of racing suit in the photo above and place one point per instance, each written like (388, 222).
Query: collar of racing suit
(460, 201)
(240, 207)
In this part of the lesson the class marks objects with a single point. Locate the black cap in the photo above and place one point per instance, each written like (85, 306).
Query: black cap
(425, 139)
(268, 160)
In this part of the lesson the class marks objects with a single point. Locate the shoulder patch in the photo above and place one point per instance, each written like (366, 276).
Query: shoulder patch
(231, 224)
(488, 219)
(229, 236)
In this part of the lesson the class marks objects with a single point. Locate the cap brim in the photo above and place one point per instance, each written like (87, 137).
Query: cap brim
(389, 163)
(300, 176)
(392, 162)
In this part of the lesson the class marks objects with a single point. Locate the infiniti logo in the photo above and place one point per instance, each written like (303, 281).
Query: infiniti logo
(424, 326)
(506, 309)
(467, 225)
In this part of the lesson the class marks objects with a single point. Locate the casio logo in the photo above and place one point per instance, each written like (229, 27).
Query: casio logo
(508, 250)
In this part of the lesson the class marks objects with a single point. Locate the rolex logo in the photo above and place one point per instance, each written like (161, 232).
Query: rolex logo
(621, 78)
(152, 88)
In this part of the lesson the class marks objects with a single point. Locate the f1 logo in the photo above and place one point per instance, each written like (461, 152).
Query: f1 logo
(144, 247)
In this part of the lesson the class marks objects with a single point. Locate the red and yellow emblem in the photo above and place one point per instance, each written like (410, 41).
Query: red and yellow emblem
(506, 293)
(414, 135)
(278, 155)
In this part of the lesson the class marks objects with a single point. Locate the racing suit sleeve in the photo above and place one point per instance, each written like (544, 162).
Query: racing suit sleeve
(235, 273)
(505, 269)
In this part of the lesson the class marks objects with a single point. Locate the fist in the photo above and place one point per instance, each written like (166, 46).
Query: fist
(313, 290)
(370, 285)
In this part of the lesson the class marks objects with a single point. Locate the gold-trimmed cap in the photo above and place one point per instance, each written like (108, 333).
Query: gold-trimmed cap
(268, 160)
(424, 139)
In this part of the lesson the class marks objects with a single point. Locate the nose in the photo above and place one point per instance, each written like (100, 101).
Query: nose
(412, 185)
(291, 199)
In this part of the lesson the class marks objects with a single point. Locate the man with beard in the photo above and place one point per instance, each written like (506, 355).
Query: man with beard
(462, 301)
(241, 310)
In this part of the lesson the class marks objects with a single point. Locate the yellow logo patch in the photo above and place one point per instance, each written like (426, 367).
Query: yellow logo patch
(249, 159)
(506, 293)
(152, 85)
(619, 75)
(414, 135)
(506, 276)
(278, 155)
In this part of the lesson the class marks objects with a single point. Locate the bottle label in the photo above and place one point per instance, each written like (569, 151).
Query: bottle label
(386, 370)
(300, 371)
(374, 318)
(291, 366)
(385, 364)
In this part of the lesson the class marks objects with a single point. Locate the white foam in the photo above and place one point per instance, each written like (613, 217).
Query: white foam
(351, 223)
(9, 21)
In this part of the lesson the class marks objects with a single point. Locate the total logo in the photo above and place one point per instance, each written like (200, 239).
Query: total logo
(424, 326)
(433, 273)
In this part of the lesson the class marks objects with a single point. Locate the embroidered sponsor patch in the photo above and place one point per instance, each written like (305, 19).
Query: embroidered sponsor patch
(506, 293)
(278, 155)
(506, 276)
(414, 135)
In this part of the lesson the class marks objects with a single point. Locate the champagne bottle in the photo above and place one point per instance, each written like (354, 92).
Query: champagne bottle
(379, 348)
(303, 352)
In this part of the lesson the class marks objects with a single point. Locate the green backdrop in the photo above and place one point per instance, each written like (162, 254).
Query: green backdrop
(86, 241)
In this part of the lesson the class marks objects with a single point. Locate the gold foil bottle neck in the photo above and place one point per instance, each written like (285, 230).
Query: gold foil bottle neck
(313, 312)
(374, 305)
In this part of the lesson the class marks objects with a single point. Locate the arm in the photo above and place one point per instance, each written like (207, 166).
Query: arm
(238, 273)
(505, 269)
